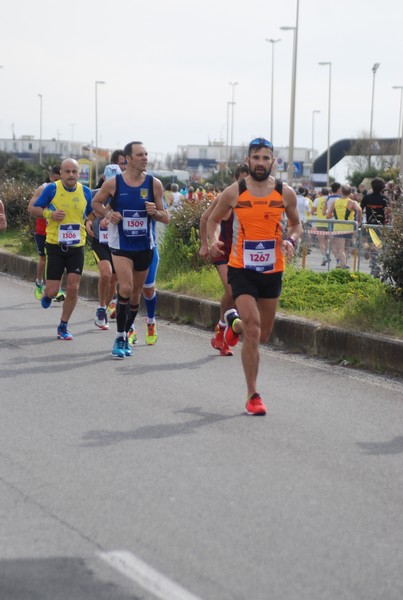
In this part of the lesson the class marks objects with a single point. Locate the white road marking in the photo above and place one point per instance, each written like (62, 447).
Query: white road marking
(145, 576)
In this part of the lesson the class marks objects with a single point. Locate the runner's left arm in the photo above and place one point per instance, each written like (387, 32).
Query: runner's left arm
(156, 210)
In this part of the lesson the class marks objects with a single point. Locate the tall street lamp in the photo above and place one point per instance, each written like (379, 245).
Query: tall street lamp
(399, 131)
(272, 42)
(40, 128)
(374, 70)
(227, 138)
(314, 112)
(328, 64)
(290, 176)
(71, 137)
(232, 84)
(96, 127)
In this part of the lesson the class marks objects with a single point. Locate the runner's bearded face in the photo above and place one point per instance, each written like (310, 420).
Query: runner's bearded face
(260, 164)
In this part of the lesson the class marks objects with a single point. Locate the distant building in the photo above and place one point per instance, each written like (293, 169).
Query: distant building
(27, 148)
(201, 161)
(204, 160)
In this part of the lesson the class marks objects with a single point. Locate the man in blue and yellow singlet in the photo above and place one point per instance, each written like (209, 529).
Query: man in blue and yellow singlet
(130, 202)
(257, 258)
(64, 204)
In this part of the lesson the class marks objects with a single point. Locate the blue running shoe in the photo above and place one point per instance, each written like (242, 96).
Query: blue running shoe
(128, 350)
(118, 350)
(46, 302)
(63, 333)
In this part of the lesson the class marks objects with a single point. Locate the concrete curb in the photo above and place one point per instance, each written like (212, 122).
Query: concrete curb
(293, 334)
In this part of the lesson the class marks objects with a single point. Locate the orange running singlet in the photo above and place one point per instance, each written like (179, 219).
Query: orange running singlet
(257, 231)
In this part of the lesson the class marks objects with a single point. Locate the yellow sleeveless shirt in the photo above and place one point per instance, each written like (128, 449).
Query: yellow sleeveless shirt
(74, 204)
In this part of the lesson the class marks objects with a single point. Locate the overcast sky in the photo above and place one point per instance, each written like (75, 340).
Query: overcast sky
(167, 68)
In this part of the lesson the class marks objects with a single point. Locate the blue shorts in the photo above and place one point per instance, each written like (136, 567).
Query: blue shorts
(40, 243)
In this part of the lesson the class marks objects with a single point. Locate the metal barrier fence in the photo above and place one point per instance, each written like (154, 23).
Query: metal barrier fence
(320, 251)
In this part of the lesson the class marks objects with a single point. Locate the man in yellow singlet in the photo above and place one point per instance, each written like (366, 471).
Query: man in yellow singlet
(257, 258)
(343, 209)
(65, 205)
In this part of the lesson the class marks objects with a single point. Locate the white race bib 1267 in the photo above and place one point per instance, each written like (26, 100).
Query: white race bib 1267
(259, 255)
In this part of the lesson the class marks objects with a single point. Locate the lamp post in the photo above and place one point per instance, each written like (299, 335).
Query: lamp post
(290, 176)
(96, 127)
(314, 112)
(40, 128)
(71, 138)
(272, 42)
(374, 70)
(399, 131)
(232, 84)
(227, 138)
(328, 64)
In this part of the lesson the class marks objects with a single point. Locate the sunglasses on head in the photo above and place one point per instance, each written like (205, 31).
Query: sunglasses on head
(261, 142)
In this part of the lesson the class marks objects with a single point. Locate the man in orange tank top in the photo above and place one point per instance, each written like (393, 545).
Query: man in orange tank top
(257, 260)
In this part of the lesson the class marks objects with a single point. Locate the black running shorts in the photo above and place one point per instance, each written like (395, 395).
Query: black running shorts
(101, 251)
(253, 283)
(141, 259)
(60, 258)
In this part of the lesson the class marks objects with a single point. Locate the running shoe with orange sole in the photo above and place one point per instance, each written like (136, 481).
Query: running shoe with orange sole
(132, 335)
(218, 339)
(254, 406)
(151, 334)
(225, 350)
(111, 310)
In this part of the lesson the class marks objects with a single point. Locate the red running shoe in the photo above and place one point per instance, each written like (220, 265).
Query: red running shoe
(218, 339)
(225, 350)
(230, 337)
(255, 406)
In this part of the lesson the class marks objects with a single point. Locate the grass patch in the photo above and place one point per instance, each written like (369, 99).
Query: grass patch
(202, 284)
(353, 300)
(10, 241)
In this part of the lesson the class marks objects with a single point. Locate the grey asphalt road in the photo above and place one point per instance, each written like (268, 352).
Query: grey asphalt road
(143, 479)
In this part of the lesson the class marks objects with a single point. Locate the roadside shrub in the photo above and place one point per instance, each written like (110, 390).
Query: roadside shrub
(26, 241)
(15, 196)
(179, 251)
(391, 254)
